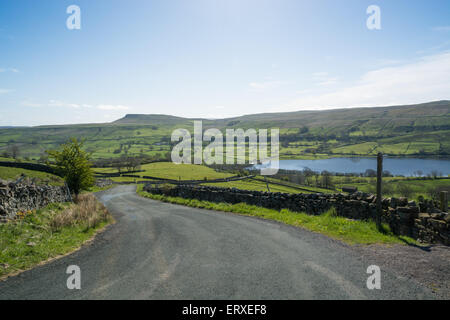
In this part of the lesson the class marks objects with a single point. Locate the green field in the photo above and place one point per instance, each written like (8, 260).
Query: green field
(254, 185)
(393, 186)
(7, 173)
(411, 188)
(169, 170)
(415, 130)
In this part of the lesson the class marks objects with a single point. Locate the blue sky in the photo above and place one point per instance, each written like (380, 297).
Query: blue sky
(216, 58)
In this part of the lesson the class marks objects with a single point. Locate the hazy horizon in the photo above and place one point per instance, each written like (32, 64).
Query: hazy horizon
(204, 118)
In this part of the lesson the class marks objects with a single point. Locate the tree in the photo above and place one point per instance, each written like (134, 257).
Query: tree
(434, 174)
(43, 158)
(404, 190)
(370, 173)
(136, 164)
(74, 165)
(387, 173)
(118, 165)
(387, 188)
(327, 179)
(418, 173)
(14, 151)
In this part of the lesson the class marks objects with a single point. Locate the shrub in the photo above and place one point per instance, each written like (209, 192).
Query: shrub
(74, 165)
(86, 211)
(166, 188)
(404, 190)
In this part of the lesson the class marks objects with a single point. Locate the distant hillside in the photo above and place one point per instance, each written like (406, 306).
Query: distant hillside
(413, 130)
(431, 116)
(420, 115)
(150, 119)
(9, 127)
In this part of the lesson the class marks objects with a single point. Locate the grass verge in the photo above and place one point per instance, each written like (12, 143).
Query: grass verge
(347, 230)
(44, 234)
(7, 173)
(94, 189)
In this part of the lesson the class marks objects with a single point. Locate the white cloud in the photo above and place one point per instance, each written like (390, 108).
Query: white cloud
(387, 63)
(324, 79)
(28, 103)
(442, 28)
(423, 80)
(327, 82)
(2, 91)
(56, 103)
(265, 85)
(320, 74)
(112, 107)
(303, 92)
(435, 49)
(9, 69)
(62, 104)
(51, 103)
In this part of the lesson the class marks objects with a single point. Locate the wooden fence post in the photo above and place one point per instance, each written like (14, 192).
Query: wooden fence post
(444, 201)
(379, 178)
(267, 183)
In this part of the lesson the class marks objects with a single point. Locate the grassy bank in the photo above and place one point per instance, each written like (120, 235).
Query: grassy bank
(98, 189)
(409, 187)
(170, 170)
(8, 173)
(50, 232)
(347, 230)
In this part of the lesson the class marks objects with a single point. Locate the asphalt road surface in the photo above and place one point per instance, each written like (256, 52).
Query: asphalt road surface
(163, 251)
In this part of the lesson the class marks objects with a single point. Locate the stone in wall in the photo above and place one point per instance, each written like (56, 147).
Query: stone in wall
(25, 195)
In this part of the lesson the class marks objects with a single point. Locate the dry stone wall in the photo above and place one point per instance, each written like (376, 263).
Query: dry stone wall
(421, 221)
(25, 195)
(30, 166)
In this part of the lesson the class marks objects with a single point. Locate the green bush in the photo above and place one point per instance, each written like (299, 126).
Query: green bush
(74, 165)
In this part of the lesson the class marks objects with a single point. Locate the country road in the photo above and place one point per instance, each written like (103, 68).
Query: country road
(163, 251)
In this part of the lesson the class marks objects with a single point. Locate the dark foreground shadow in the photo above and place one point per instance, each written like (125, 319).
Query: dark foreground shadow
(426, 248)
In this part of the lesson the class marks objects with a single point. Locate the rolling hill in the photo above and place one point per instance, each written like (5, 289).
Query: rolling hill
(411, 130)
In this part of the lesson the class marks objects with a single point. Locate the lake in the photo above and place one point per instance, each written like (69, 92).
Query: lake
(396, 166)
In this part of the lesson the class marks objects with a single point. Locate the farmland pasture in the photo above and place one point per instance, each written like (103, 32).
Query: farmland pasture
(422, 129)
(7, 173)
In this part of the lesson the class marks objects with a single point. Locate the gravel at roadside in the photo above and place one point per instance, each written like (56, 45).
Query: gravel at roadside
(429, 265)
